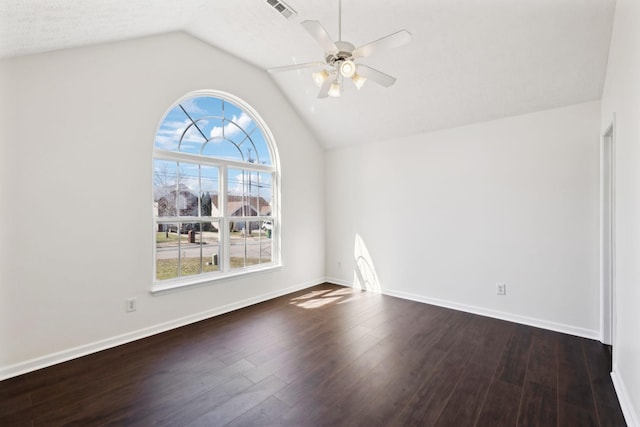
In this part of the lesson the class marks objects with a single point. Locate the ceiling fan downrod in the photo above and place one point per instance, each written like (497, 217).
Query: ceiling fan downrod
(339, 20)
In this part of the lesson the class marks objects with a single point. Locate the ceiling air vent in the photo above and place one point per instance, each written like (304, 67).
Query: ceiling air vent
(282, 8)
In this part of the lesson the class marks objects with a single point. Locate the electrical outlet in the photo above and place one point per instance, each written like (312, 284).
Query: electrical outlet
(131, 305)
(501, 288)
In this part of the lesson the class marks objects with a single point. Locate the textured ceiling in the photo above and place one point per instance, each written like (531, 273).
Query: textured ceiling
(469, 60)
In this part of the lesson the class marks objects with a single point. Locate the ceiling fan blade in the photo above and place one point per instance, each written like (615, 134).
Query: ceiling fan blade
(318, 32)
(376, 76)
(326, 85)
(296, 67)
(388, 42)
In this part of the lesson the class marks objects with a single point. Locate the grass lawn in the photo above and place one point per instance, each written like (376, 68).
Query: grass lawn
(168, 268)
(161, 237)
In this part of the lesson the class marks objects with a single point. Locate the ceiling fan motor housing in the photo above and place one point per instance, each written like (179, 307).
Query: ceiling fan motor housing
(339, 57)
(344, 53)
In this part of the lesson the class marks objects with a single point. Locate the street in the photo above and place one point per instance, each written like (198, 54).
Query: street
(255, 246)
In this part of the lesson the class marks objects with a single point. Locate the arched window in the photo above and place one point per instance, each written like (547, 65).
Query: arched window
(215, 191)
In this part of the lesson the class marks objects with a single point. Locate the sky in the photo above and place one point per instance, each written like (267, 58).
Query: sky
(230, 132)
(224, 131)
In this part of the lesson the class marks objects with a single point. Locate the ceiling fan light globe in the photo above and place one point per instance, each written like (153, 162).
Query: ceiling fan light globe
(319, 77)
(334, 90)
(347, 69)
(358, 80)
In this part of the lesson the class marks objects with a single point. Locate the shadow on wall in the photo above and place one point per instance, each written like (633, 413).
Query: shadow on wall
(364, 275)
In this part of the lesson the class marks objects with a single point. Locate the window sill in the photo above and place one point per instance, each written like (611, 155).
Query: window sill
(179, 284)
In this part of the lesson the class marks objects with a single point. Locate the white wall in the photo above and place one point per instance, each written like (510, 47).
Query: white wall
(77, 136)
(622, 97)
(442, 217)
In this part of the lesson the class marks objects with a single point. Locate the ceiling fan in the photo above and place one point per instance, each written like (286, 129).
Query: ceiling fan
(340, 59)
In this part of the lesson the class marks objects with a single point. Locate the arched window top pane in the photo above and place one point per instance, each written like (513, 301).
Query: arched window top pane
(216, 186)
(213, 127)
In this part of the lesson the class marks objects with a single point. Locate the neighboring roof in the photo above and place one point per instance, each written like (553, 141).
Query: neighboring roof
(236, 203)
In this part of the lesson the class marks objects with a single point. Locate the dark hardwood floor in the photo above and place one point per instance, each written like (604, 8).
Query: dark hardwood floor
(328, 356)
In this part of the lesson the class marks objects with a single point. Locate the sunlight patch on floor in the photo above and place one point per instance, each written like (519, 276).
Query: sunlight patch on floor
(340, 292)
(315, 303)
(312, 294)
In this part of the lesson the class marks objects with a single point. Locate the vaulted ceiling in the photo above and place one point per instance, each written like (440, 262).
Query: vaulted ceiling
(469, 60)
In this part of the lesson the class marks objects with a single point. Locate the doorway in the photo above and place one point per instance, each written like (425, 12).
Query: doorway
(607, 234)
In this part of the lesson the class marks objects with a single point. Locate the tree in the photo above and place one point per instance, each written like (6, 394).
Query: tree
(164, 190)
(205, 210)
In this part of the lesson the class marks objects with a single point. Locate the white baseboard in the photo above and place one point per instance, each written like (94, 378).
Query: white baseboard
(337, 281)
(630, 415)
(530, 321)
(83, 350)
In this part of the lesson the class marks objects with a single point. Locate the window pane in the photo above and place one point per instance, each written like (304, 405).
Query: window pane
(224, 148)
(165, 179)
(203, 105)
(237, 244)
(238, 129)
(209, 190)
(263, 184)
(210, 246)
(168, 135)
(237, 197)
(187, 195)
(188, 185)
(223, 140)
(253, 241)
(193, 139)
(250, 243)
(242, 139)
(200, 249)
(249, 193)
(266, 243)
(263, 155)
(167, 251)
(191, 249)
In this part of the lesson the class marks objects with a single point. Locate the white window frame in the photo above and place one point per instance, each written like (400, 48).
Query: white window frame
(223, 166)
